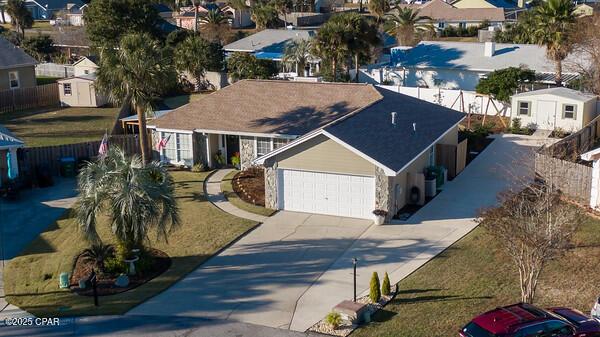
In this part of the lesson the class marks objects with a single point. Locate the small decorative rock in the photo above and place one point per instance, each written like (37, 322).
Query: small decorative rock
(122, 281)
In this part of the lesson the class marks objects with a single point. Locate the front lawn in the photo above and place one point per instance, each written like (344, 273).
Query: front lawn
(233, 198)
(31, 279)
(474, 275)
(57, 126)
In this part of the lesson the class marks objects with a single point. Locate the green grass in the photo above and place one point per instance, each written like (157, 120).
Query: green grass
(474, 276)
(56, 126)
(177, 101)
(204, 231)
(232, 197)
(41, 80)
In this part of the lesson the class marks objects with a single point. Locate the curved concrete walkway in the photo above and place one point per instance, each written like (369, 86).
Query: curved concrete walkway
(214, 194)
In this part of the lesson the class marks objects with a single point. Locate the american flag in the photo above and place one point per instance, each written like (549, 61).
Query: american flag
(103, 150)
(162, 143)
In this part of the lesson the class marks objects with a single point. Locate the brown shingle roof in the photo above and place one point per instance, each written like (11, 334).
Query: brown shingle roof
(270, 107)
(439, 10)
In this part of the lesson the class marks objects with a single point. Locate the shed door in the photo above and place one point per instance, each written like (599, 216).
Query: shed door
(84, 95)
(546, 115)
(326, 193)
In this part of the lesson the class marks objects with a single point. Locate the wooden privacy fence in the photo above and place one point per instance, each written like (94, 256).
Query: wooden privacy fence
(573, 179)
(572, 146)
(49, 156)
(29, 98)
(452, 157)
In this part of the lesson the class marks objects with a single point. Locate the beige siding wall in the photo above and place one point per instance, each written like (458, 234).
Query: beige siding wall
(398, 200)
(83, 94)
(451, 137)
(26, 77)
(584, 111)
(589, 112)
(324, 155)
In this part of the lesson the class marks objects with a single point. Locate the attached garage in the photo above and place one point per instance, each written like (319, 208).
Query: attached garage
(326, 193)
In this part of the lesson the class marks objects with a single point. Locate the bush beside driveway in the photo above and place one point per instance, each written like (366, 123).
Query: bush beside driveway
(31, 278)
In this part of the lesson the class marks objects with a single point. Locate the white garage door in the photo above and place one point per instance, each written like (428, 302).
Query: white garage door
(326, 193)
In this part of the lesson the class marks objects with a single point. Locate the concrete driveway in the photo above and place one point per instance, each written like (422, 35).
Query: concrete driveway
(259, 278)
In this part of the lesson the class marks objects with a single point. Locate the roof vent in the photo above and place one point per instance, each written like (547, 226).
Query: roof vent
(393, 117)
(415, 127)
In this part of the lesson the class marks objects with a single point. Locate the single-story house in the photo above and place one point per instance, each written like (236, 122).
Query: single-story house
(332, 148)
(443, 14)
(9, 163)
(460, 65)
(17, 68)
(80, 91)
(553, 108)
(47, 9)
(270, 44)
(85, 65)
(506, 4)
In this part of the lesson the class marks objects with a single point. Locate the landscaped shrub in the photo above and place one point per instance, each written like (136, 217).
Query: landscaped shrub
(375, 293)
(99, 253)
(334, 319)
(115, 266)
(385, 286)
(199, 167)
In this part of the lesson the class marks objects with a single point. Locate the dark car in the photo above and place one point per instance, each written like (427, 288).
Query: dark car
(526, 320)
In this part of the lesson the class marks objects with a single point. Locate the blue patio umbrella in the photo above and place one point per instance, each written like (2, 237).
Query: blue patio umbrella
(9, 165)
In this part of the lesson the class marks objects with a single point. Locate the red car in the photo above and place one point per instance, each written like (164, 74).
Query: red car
(526, 320)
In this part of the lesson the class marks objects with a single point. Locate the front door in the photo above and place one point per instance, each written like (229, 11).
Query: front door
(232, 143)
(545, 115)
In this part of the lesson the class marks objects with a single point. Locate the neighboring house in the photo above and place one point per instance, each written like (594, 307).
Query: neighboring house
(460, 65)
(48, 9)
(270, 44)
(332, 148)
(185, 18)
(80, 91)
(554, 108)
(444, 14)
(506, 4)
(239, 18)
(85, 66)
(74, 14)
(8, 154)
(17, 68)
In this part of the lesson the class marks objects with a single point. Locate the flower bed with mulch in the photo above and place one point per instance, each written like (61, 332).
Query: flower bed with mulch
(249, 185)
(106, 282)
(347, 327)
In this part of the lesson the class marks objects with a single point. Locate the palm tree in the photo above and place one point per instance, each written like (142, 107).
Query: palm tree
(137, 198)
(263, 16)
(378, 8)
(282, 7)
(137, 72)
(406, 24)
(240, 6)
(554, 24)
(330, 45)
(215, 25)
(298, 53)
(195, 55)
(98, 253)
(362, 37)
(20, 16)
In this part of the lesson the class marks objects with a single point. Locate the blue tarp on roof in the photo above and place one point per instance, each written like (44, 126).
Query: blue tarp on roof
(269, 55)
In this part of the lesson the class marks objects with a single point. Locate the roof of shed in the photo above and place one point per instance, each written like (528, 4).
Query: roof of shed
(560, 92)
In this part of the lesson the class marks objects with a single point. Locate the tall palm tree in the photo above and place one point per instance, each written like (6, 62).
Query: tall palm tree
(20, 16)
(137, 72)
(406, 24)
(378, 8)
(137, 198)
(196, 56)
(298, 53)
(554, 24)
(330, 45)
(215, 25)
(362, 38)
(263, 16)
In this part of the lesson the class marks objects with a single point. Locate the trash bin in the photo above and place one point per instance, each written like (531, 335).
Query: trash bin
(67, 167)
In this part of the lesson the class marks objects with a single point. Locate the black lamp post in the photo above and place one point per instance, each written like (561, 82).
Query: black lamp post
(354, 260)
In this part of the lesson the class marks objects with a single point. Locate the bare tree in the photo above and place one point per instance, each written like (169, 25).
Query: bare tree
(587, 48)
(533, 226)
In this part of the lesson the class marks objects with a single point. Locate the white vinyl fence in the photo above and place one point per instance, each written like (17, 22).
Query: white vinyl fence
(54, 70)
(460, 100)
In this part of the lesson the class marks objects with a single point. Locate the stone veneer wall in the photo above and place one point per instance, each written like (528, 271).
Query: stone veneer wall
(271, 187)
(246, 151)
(382, 191)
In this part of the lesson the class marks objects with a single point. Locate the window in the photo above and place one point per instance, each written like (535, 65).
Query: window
(441, 25)
(279, 142)
(13, 80)
(462, 25)
(170, 149)
(524, 108)
(178, 149)
(263, 146)
(569, 111)
(67, 89)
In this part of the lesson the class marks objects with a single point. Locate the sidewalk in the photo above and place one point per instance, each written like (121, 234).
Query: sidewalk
(215, 195)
